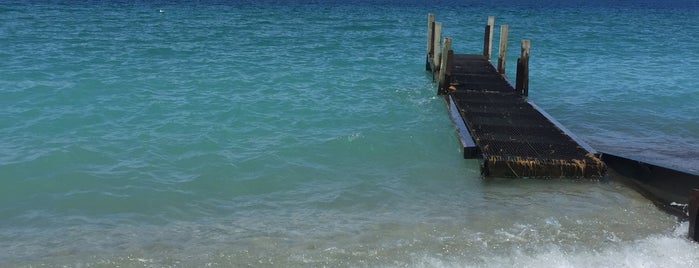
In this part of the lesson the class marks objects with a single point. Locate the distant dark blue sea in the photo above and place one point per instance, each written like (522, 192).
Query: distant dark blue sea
(308, 134)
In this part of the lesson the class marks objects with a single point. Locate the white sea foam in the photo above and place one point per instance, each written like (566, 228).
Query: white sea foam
(670, 250)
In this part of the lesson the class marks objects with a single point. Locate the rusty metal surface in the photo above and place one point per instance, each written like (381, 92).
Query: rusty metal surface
(514, 138)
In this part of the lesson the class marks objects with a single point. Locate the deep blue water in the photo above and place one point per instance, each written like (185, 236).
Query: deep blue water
(307, 133)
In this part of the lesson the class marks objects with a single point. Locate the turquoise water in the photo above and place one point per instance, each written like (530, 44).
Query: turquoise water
(286, 134)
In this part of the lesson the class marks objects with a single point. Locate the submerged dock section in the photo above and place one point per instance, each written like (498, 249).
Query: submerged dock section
(496, 121)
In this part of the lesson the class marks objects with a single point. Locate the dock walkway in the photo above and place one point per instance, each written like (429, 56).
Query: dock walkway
(511, 135)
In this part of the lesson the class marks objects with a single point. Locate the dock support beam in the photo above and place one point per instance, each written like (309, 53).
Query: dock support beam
(436, 46)
(444, 67)
(488, 38)
(430, 40)
(693, 214)
(522, 80)
(502, 51)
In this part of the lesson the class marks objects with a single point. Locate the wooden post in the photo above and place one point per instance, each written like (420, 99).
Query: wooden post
(502, 51)
(447, 71)
(430, 38)
(443, 66)
(693, 212)
(488, 38)
(522, 81)
(436, 59)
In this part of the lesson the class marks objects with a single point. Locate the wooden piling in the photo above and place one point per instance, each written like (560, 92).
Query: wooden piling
(522, 80)
(443, 69)
(502, 51)
(447, 80)
(693, 212)
(436, 46)
(430, 38)
(488, 38)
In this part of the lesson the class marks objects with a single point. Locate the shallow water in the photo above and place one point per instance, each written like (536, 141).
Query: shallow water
(304, 134)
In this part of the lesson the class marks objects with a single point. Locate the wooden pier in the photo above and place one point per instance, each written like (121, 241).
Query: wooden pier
(495, 120)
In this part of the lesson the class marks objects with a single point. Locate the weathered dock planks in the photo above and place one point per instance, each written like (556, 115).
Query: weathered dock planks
(511, 135)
